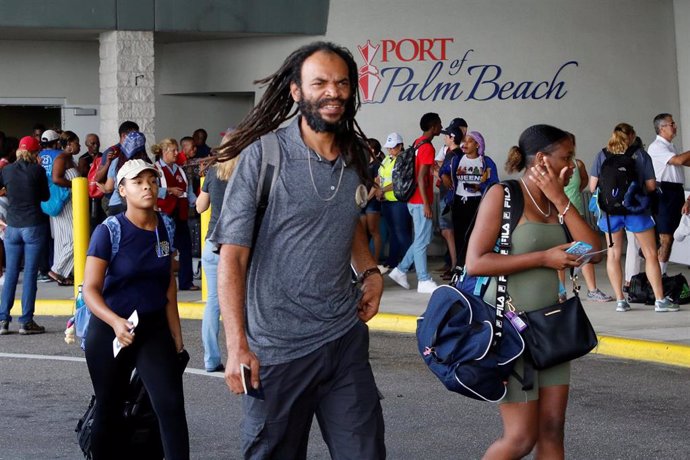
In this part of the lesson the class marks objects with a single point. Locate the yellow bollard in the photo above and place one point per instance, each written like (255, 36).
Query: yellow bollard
(205, 220)
(80, 224)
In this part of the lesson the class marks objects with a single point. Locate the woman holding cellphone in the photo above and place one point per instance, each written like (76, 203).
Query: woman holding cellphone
(533, 418)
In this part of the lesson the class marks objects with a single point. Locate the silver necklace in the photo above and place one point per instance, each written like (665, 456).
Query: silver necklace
(545, 214)
(313, 184)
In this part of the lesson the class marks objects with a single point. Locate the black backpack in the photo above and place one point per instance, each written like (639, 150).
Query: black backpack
(142, 433)
(617, 174)
(404, 180)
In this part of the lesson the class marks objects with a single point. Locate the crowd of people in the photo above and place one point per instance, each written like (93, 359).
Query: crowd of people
(37, 227)
(298, 338)
(463, 172)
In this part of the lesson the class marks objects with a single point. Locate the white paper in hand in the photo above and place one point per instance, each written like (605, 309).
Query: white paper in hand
(134, 319)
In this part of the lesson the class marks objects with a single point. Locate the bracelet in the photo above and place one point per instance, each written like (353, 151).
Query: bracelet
(368, 272)
(561, 216)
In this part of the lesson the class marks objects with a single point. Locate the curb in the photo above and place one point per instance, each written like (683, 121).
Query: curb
(617, 347)
(644, 350)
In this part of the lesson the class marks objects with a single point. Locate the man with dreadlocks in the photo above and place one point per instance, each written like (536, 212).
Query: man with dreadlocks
(293, 315)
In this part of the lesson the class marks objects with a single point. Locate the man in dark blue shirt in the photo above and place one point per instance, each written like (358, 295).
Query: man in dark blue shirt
(202, 150)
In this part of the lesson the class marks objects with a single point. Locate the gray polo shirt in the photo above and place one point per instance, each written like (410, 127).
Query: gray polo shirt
(299, 290)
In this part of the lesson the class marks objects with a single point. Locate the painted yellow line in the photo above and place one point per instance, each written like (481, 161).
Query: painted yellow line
(50, 307)
(618, 347)
(191, 310)
(644, 350)
(65, 307)
(393, 323)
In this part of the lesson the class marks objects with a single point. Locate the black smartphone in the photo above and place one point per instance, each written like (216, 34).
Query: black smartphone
(246, 372)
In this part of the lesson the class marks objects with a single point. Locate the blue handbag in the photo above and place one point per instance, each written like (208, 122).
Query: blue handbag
(58, 197)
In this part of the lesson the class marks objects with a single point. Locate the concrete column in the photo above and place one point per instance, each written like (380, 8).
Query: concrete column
(127, 83)
(681, 13)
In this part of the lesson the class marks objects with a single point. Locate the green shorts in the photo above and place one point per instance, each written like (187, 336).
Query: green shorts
(557, 375)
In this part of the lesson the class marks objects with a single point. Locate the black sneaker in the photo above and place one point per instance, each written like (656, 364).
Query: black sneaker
(43, 278)
(4, 327)
(31, 328)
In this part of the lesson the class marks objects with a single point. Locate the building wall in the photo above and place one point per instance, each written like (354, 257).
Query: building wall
(618, 61)
(38, 73)
(622, 57)
(179, 115)
(681, 15)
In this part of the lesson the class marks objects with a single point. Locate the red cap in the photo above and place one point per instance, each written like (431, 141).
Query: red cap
(29, 144)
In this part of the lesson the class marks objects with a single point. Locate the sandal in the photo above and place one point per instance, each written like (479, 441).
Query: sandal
(192, 288)
(66, 282)
(55, 277)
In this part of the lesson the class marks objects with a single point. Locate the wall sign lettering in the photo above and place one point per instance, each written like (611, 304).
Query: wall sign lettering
(445, 78)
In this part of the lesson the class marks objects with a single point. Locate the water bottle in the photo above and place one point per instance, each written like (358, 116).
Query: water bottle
(81, 317)
(79, 301)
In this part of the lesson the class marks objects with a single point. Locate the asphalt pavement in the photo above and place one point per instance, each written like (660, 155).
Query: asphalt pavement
(618, 409)
(633, 406)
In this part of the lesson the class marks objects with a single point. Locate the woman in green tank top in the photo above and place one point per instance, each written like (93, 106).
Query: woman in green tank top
(534, 418)
(573, 190)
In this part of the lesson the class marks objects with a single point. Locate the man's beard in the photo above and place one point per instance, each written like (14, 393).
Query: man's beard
(310, 111)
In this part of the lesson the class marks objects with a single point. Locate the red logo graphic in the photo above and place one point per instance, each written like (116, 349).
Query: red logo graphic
(368, 74)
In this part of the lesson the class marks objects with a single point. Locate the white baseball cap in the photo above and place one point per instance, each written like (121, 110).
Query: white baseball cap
(392, 140)
(49, 136)
(132, 168)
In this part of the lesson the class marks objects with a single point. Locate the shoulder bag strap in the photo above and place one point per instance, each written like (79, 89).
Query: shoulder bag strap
(504, 241)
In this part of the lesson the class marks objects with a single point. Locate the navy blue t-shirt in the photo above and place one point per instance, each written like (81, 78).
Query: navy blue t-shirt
(137, 278)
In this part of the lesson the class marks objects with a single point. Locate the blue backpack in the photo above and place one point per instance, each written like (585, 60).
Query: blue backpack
(466, 342)
(83, 315)
(455, 336)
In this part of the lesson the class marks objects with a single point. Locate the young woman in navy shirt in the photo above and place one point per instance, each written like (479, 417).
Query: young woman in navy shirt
(139, 277)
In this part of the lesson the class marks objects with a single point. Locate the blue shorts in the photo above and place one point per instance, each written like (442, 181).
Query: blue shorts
(636, 223)
(373, 206)
(445, 221)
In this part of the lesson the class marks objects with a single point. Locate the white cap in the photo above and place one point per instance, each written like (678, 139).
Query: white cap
(49, 136)
(132, 168)
(392, 140)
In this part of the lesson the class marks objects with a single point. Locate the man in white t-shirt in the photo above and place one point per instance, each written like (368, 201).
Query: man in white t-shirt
(670, 177)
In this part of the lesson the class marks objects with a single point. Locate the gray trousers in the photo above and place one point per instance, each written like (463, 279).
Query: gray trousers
(336, 384)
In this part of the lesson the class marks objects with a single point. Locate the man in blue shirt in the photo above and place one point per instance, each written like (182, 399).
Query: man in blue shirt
(202, 150)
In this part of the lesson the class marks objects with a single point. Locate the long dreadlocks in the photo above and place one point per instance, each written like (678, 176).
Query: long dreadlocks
(276, 106)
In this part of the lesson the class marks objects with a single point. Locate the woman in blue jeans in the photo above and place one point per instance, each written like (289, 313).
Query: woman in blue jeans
(212, 193)
(26, 185)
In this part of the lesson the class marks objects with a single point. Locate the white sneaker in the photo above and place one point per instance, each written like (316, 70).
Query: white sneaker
(426, 287)
(399, 277)
(622, 306)
(664, 305)
(383, 269)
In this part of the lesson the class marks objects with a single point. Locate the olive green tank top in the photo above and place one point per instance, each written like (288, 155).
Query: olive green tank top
(537, 287)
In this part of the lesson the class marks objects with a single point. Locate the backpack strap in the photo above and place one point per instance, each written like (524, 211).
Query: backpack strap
(115, 234)
(425, 141)
(268, 174)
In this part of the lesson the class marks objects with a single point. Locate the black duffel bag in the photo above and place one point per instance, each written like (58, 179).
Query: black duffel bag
(675, 287)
